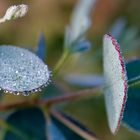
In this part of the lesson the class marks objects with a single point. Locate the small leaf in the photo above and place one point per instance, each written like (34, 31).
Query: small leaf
(132, 110)
(54, 132)
(30, 122)
(15, 12)
(87, 80)
(80, 21)
(116, 82)
(41, 50)
(81, 46)
(118, 28)
(21, 71)
(71, 128)
(130, 39)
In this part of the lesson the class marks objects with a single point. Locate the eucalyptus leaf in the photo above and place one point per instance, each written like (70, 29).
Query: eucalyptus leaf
(133, 69)
(54, 132)
(128, 37)
(71, 128)
(21, 71)
(116, 82)
(14, 12)
(30, 122)
(81, 46)
(118, 27)
(87, 80)
(80, 21)
(41, 49)
(132, 110)
(131, 117)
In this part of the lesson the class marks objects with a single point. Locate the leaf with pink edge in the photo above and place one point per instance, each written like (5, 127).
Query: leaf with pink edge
(116, 82)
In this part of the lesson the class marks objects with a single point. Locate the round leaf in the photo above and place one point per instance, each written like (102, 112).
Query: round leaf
(115, 78)
(21, 71)
(132, 110)
(30, 122)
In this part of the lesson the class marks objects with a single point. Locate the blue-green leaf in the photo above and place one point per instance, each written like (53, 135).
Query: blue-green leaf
(30, 122)
(71, 128)
(21, 71)
(118, 27)
(54, 132)
(81, 46)
(133, 69)
(87, 80)
(41, 50)
(132, 110)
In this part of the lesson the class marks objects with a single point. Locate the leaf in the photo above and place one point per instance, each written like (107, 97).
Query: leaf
(87, 80)
(15, 12)
(70, 127)
(80, 21)
(132, 110)
(41, 50)
(130, 39)
(129, 35)
(116, 83)
(118, 27)
(133, 69)
(81, 46)
(21, 71)
(54, 132)
(30, 122)
(131, 117)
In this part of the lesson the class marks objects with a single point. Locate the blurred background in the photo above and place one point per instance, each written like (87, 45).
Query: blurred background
(51, 17)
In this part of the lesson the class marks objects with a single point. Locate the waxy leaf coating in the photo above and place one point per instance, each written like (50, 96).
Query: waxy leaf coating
(116, 82)
(21, 71)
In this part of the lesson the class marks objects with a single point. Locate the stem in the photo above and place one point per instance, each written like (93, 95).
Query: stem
(71, 96)
(52, 101)
(134, 81)
(61, 61)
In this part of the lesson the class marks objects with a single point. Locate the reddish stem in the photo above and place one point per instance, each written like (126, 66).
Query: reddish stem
(48, 102)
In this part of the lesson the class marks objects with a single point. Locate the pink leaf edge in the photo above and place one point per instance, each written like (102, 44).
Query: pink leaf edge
(124, 77)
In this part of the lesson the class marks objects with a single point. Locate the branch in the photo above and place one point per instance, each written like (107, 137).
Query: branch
(52, 101)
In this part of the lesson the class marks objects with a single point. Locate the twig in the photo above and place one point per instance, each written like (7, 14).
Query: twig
(52, 101)
(61, 62)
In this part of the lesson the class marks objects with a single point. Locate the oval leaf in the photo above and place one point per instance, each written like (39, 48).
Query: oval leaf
(115, 76)
(81, 46)
(118, 27)
(133, 69)
(54, 132)
(132, 110)
(29, 122)
(41, 50)
(87, 80)
(21, 71)
(71, 128)
(131, 117)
